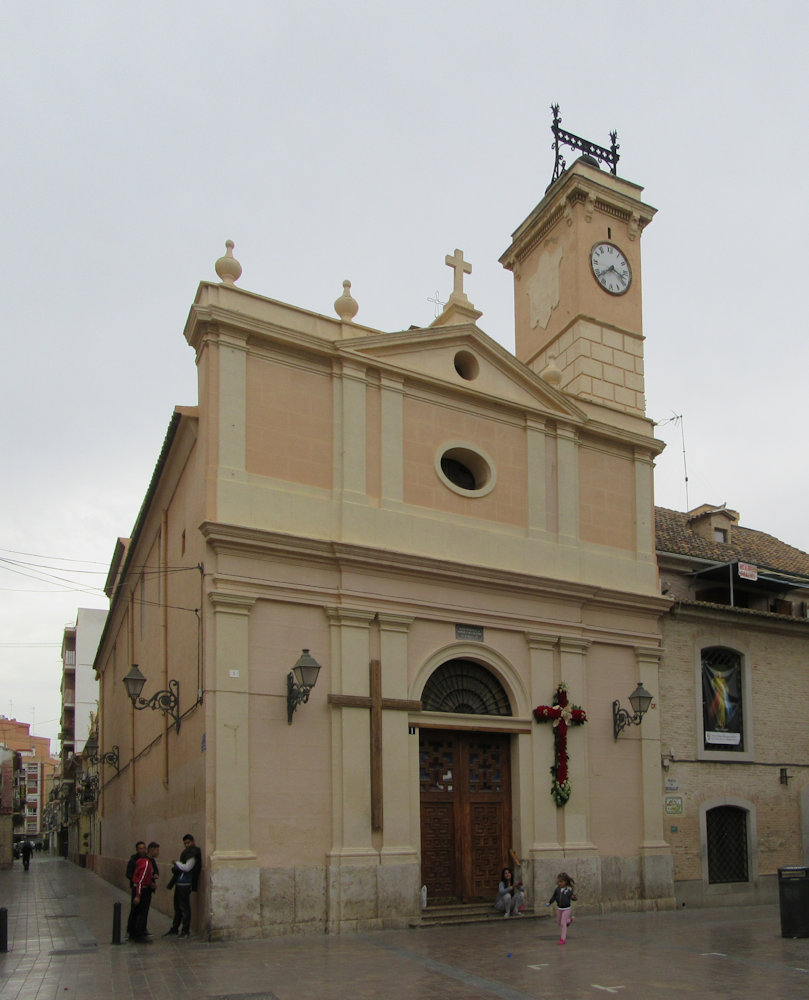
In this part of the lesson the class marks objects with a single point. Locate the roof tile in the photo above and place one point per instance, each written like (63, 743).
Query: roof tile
(673, 534)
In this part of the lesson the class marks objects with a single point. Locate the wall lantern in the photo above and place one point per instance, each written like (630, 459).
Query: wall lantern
(167, 702)
(111, 757)
(89, 789)
(300, 681)
(640, 700)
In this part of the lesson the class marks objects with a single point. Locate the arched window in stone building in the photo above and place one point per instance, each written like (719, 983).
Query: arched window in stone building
(465, 687)
(726, 832)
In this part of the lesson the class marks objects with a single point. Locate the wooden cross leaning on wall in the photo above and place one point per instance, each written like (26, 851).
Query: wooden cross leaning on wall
(376, 703)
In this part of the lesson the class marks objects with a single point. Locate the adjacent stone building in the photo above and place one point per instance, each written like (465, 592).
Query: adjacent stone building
(734, 686)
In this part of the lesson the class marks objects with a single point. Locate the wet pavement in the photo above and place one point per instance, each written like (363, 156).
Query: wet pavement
(60, 933)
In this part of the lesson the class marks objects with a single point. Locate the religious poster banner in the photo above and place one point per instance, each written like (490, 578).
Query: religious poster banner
(722, 699)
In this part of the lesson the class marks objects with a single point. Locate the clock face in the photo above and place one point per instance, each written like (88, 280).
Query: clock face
(611, 268)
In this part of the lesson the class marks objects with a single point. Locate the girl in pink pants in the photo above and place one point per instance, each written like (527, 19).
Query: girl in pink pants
(563, 895)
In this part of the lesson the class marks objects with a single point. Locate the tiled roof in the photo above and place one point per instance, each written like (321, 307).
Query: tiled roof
(673, 534)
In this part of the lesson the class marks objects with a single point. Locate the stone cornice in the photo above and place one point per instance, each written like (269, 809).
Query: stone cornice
(384, 562)
(747, 618)
(596, 192)
(354, 617)
(649, 654)
(232, 603)
(569, 644)
(394, 623)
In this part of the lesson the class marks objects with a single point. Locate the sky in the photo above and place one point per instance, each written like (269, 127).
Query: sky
(367, 140)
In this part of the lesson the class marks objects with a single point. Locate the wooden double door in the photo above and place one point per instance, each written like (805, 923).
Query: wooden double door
(465, 780)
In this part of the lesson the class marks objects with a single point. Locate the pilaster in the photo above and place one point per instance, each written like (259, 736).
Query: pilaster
(231, 429)
(351, 734)
(573, 672)
(567, 464)
(400, 874)
(234, 875)
(644, 504)
(351, 893)
(657, 863)
(392, 445)
(397, 833)
(545, 833)
(350, 431)
(537, 485)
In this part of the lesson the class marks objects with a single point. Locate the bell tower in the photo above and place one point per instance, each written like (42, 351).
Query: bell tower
(577, 281)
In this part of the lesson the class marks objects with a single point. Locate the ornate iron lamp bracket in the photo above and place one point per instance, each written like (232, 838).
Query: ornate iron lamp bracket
(112, 757)
(621, 718)
(300, 681)
(167, 702)
(640, 700)
(609, 156)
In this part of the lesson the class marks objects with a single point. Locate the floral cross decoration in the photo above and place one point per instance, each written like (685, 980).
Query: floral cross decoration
(562, 715)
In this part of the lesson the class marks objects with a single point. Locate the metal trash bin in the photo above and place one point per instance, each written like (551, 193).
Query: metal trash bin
(793, 895)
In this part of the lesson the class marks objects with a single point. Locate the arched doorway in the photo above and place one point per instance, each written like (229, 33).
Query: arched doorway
(465, 781)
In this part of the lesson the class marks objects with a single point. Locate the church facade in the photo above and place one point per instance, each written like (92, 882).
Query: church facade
(457, 536)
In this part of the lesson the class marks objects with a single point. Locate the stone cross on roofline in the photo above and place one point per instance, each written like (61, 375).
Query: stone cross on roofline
(458, 309)
(460, 268)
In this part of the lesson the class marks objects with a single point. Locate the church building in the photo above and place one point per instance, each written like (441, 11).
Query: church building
(462, 540)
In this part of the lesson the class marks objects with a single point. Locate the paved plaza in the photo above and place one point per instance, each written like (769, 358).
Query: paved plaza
(60, 932)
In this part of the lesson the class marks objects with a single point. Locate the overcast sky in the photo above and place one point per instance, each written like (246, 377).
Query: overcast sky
(366, 141)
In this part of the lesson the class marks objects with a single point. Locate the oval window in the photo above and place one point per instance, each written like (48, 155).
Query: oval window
(465, 470)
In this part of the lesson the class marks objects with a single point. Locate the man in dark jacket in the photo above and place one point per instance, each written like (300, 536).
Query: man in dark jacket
(185, 879)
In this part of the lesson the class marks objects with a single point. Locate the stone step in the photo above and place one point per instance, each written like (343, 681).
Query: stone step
(469, 913)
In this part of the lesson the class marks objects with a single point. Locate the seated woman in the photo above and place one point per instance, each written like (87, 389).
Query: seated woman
(510, 895)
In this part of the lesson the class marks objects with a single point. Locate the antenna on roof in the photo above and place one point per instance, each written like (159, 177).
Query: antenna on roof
(436, 302)
(677, 418)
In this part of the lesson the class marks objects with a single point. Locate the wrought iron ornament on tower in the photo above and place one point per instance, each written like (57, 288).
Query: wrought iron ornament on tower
(562, 138)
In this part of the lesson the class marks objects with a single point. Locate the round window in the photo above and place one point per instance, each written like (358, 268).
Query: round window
(465, 470)
(466, 365)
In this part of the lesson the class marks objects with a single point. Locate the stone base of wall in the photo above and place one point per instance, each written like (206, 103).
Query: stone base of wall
(695, 893)
(346, 895)
(362, 894)
(609, 884)
(234, 901)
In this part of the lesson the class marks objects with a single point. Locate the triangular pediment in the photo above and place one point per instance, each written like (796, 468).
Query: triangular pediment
(464, 358)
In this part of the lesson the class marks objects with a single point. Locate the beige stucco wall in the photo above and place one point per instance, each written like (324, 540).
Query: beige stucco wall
(429, 427)
(607, 495)
(160, 791)
(288, 415)
(309, 797)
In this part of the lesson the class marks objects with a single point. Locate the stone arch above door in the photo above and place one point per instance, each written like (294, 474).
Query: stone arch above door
(466, 687)
(492, 662)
